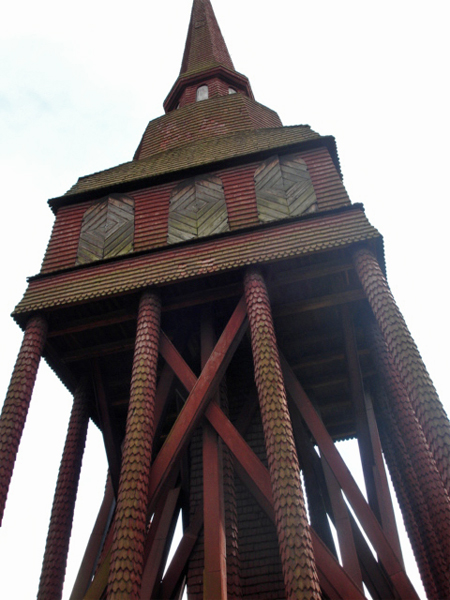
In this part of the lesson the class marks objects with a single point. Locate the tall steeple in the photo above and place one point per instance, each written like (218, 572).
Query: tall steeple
(206, 63)
(205, 46)
(214, 99)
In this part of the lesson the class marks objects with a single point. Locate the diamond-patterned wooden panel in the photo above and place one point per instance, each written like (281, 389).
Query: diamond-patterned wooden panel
(197, 209)
(284, 188)
(107, 229)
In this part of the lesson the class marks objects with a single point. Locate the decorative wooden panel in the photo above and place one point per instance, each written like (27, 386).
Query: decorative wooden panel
(107, 229)
(197, 209)
(284, 189)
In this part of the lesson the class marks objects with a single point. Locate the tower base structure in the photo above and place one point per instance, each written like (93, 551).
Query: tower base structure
(219, 309)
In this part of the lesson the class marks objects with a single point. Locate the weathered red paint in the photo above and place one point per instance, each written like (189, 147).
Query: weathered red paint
(58, 538)
(215, 566)
(297, 558)
(17, 401)
(363, 512)
(198, 399)
(161, 525)
(127, 553)
(368, 440)
(95, 543)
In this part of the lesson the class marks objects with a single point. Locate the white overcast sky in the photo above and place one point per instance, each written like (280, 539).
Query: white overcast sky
(78, 83)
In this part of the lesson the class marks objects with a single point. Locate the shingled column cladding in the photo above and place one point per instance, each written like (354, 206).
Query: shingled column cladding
(430, 502)
(17, 402)
(299, 570)
(407, 488)
(130, 521)
(407, 360)
(57, 546)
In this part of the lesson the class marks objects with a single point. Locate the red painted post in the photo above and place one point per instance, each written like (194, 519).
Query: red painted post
(215, 571)
(368, 439)
(297, 557)
(407, 489)
(407, 360)
(426, 490)
(58, 538)
(367, 519)
(127, 556)
(95, 544)
(17, 402)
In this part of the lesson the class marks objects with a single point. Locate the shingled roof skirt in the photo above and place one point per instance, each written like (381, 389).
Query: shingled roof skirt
(205, 56)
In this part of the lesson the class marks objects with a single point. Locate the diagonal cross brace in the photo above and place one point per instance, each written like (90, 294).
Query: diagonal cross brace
(371, 526)
(200, 394)
(256, 477)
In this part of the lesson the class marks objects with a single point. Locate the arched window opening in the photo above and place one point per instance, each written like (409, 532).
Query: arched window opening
(202, 93)
(231, 90)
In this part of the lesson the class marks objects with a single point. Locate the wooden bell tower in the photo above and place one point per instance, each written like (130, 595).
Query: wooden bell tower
(219, 309)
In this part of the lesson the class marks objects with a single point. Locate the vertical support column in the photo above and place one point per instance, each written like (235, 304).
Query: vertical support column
(427, 493)
(407, 489)
(407, 361)
(368, 440)
(127, 556)
(17, 402)
(299, 569)
(58, 538)
(215, 571)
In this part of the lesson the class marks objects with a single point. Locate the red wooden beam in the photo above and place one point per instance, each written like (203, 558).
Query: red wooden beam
(112, 449)
(369, 522)
(334, 580)
(181, 556)
(256, 476)
(249, 467)
(343, 526)
(255, 472)
(215, 567)
(176, 362)
(96, 540)
(197, 401)
(368, 439)
(159, 531)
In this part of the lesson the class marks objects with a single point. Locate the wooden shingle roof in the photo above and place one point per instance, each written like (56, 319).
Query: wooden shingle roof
(205, 46)
(203, 152)
(320, 232)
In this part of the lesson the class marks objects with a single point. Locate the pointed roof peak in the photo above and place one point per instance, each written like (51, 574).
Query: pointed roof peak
(205, 46)
(206, 62)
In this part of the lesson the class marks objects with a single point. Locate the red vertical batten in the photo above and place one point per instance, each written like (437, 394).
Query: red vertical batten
(17, 401)
(58, 538)
(62, 248)
(299, 570)
(240, 194)
(151, 214)
(430, 502)
(215, 569)
(130, 521)
(407, 360)
(96, 540)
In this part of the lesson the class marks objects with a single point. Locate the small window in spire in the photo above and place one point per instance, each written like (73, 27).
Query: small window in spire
(202, 93)
(231, 91)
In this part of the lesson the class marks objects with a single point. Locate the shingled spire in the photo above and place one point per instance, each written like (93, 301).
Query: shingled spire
(205, 46)
(206, 62)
